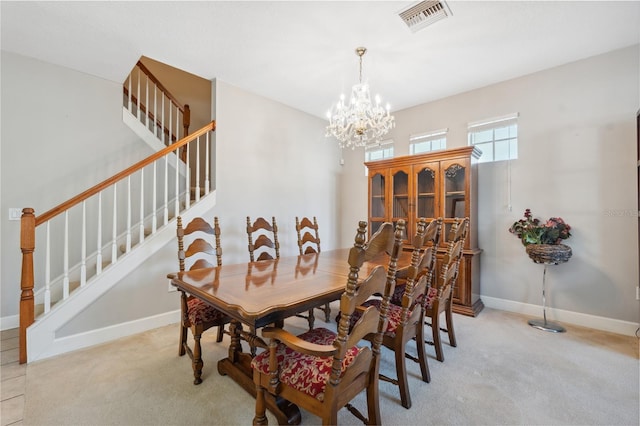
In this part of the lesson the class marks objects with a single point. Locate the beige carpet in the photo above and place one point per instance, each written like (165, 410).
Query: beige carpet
(502, 372)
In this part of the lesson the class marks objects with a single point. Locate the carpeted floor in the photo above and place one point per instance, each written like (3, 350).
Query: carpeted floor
(502, 372)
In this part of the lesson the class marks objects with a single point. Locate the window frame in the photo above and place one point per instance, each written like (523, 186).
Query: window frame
(430, 137)
(493, 124)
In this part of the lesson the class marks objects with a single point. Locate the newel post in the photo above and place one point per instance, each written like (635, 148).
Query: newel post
(186, 121)
(27, 246)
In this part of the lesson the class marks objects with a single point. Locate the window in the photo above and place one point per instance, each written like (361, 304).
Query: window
(426, 142)
(497, 138)
(379, 151)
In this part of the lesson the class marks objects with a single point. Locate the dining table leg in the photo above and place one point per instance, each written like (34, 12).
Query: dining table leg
(238, 366)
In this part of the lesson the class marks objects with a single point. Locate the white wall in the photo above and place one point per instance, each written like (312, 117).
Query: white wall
(62, 132)
(272, 160)
(577, 160)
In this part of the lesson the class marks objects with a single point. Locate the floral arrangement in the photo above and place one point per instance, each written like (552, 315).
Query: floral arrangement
(532, 231)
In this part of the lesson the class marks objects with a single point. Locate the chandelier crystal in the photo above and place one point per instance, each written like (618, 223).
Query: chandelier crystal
(360, 122)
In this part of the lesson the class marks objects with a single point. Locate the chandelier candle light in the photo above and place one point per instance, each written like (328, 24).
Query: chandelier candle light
(359, 123)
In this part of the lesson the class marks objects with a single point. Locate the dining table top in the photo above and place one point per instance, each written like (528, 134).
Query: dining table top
(262, 292)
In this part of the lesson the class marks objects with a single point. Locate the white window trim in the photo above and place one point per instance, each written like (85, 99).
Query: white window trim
(427, 135)
(490, 123)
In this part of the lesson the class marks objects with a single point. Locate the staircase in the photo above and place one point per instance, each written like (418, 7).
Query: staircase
(77, 251)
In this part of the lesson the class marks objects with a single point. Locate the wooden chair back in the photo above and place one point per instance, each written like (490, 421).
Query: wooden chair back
(203, 244)
(308, 237)
(266, 244)
(457, 233)
(343, 383)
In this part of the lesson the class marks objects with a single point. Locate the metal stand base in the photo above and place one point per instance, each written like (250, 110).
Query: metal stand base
(547, 326)
(543, 324)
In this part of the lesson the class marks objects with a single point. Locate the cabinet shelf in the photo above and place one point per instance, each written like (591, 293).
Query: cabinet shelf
(454, 193)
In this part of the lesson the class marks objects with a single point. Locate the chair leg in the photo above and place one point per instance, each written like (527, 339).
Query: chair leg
(450, 331)
(373, 402)
(183, 339)
(260, 417)
(220, 333)
(401, 371)
(422, 353)
(435, 330)
(197, 358)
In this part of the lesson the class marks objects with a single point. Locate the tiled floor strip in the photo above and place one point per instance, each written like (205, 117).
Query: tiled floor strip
(13, 380)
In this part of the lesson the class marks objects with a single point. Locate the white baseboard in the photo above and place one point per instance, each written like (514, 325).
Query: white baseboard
(626, 328)
(7, 323)
(103, 335)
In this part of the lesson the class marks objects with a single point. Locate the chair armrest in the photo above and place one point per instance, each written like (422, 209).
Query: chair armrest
(298, 344)
(172, 275)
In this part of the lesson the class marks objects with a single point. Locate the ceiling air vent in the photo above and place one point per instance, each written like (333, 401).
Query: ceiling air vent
(424, 13)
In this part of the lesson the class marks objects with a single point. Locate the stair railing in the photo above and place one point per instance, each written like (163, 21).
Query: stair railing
(167, 188)
(147, 99)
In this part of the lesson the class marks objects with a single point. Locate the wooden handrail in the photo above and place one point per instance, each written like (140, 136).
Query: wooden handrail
(29, 223)
(160, 86)
(123, 174)
(153, 118)
(186, 112)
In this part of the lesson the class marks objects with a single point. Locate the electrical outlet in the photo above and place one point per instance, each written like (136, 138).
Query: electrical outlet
(15, 213)
(638, 293)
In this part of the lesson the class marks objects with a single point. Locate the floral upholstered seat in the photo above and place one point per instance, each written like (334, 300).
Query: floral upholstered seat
(199, 312)
(306, 373)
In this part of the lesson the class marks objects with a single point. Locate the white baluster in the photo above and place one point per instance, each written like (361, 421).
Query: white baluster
(178, 121)
(154, 216)
(141, 239)
(155, 110)
(206, 165)
(129, 94)
(128, 234)
(47, 272)
(177, 203)
(114, 234)
(99, 239)
(164, 140)
(146, 103)
(187, 179)
(65, 280)
(197, 169)
(170, 122)
(138, 93)
(83, 249)
(166, 188)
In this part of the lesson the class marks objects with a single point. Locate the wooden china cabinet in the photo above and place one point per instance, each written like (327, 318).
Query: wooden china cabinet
(436, 184)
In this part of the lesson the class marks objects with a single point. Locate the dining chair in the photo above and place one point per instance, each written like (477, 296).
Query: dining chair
(309, 243)
(266, 239)
(203, 251)
(320, 370)
(406, 320)
(440, 297)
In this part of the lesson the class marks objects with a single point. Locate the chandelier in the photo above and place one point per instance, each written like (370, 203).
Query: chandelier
(359, 123)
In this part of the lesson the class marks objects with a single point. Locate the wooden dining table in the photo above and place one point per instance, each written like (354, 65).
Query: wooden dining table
(267, 292)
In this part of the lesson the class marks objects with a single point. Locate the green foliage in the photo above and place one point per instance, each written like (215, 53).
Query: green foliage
(532, 231)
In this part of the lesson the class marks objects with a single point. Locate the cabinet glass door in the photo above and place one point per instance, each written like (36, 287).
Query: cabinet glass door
(377, 211)
(426, 192)
(454, 191)
(455, 196)
(400, 198)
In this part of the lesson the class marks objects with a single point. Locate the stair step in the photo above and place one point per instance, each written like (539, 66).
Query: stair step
(39, 308)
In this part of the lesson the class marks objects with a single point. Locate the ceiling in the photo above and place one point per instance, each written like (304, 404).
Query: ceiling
(301, 53)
